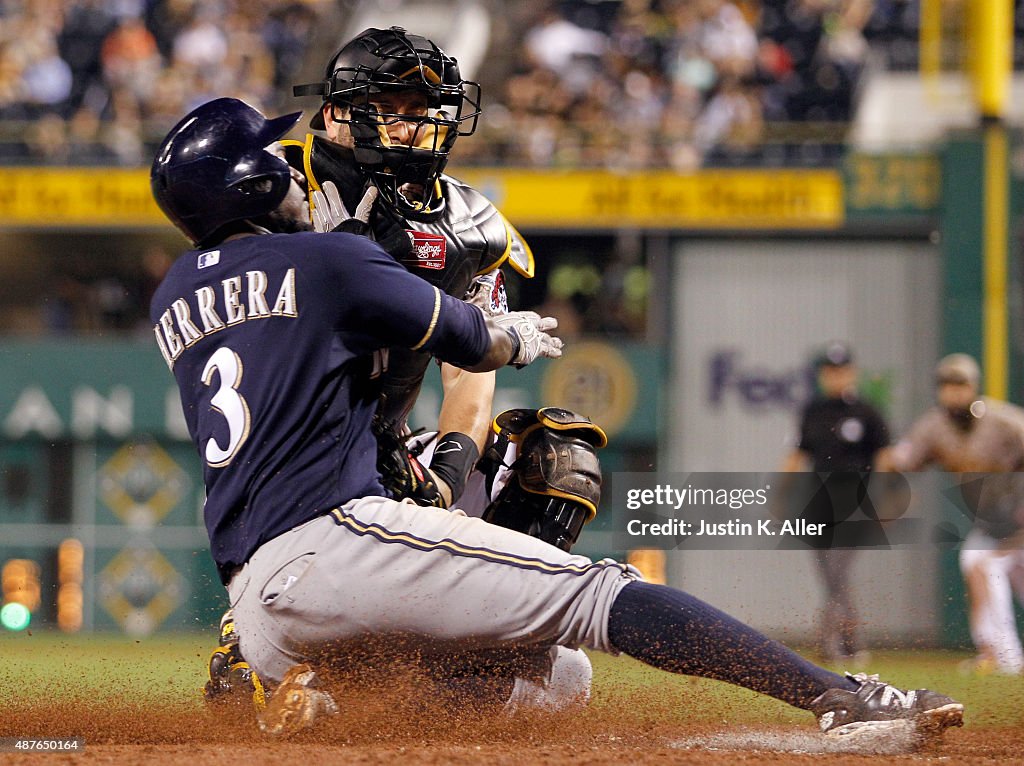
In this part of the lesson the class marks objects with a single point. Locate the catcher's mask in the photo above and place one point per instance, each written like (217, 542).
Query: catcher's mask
(391, 61)
(556, 486)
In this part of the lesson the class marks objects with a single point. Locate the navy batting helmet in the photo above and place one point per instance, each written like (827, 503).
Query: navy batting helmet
(213, 168)
(379, 61)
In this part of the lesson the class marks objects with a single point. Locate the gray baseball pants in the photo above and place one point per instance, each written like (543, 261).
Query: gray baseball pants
(427, 580)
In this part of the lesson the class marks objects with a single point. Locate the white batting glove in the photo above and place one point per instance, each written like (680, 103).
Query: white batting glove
(530, 330)
(329, 212)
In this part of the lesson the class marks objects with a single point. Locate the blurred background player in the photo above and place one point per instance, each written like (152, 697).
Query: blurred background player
(840, 435)
(970, 434)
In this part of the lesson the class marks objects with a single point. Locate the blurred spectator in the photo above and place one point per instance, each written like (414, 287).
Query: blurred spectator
(130, 58)
(726, 38)
(47, 140)
(286, 35)
(731, 122)
(560, 46)
(86, 25)
(46, 78)
(201, 45)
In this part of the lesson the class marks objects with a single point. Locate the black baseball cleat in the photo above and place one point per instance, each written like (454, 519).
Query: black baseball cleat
(229, 673)
(877, 707)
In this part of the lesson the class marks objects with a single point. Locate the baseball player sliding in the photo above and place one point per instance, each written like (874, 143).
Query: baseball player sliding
(375, 97)
(274, 342)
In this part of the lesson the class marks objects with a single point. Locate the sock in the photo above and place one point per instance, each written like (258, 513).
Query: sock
(677, 632)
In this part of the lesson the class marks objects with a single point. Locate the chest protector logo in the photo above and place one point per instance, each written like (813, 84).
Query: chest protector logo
(428, 250)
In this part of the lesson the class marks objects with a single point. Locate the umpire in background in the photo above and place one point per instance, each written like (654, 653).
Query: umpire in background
(839, 434)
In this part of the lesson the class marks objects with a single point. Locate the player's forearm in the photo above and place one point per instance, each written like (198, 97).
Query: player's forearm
(455, 455)
(461, 335)
(500, 350)
(467, 405)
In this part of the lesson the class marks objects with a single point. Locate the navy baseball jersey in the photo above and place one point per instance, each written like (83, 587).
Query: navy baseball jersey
(276, 344)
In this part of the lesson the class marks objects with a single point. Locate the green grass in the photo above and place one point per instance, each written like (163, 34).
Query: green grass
(166, 666)
(171, 668)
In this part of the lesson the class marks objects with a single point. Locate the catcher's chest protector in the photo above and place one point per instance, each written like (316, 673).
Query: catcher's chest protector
(468, 237)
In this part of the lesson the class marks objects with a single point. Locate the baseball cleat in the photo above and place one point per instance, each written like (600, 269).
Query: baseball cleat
(878, 707)
(296, 704)
(229, 673)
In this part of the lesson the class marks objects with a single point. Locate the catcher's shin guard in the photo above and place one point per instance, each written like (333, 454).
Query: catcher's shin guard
(229, 673)
(556, 486)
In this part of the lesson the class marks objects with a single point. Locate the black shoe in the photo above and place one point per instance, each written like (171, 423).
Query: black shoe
(229, 673)
(877, 706)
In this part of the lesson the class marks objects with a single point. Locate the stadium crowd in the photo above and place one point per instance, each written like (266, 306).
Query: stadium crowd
(606, 83)
(92, 81)
(675, 84)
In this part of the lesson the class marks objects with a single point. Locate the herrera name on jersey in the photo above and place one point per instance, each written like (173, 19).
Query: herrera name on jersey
(240, 298)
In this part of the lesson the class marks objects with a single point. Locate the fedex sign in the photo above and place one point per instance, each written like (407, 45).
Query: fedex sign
(754, 386)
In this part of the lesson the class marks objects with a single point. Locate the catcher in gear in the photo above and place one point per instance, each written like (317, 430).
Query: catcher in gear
(393, 105)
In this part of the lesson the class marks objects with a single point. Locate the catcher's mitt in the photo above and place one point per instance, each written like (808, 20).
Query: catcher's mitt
(402, 475)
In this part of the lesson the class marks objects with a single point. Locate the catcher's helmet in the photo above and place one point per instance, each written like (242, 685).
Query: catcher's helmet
(213, 169)
(386, 61)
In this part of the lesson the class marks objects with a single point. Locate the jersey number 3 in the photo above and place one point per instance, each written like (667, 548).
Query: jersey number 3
(229, 403)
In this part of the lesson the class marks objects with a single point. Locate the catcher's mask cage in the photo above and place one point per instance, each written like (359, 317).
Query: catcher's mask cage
(554, 520)
(390, 61)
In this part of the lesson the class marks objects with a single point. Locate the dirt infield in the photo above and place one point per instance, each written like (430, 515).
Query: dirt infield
(972, 749)
(618, 729)
(139, 702)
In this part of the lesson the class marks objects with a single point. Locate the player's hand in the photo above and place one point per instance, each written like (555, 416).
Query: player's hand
(532, 333)
(487, 292)
(328, 209)
(330, 214)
